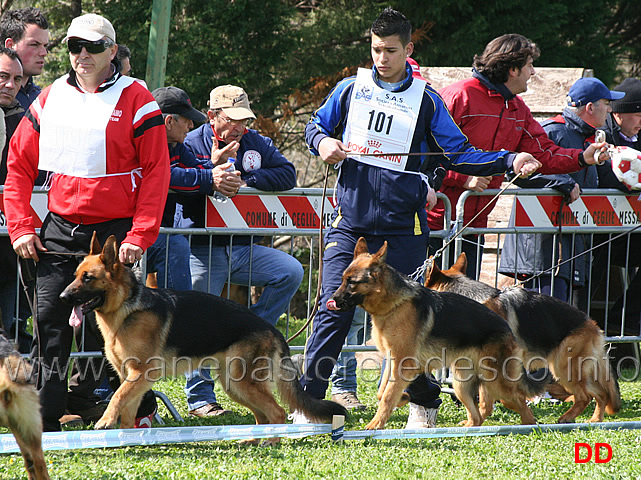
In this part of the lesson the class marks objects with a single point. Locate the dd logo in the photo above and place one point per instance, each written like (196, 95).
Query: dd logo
(588, 452)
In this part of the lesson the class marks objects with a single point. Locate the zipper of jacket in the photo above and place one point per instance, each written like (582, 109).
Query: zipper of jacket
(377, 204)
(498, 126)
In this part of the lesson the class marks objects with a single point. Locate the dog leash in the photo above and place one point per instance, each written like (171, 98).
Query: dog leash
(320, 260)
(558, 265)
(428, 262)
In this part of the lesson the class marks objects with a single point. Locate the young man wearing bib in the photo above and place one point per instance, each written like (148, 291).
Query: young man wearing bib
(383, 198)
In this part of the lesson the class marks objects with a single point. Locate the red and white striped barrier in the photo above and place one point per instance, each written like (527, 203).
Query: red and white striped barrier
(39, 210)
(282, 212)
(588, 210)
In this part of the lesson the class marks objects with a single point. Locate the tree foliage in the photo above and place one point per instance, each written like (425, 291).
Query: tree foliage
(288, 54)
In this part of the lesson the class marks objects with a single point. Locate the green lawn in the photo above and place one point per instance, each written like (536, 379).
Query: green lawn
(549, 455)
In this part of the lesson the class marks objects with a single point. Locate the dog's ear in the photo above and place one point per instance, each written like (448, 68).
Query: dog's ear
(95, 248)
(361, 247)
(461, 263)
(381, 255)
(109, 255)
(431, 271)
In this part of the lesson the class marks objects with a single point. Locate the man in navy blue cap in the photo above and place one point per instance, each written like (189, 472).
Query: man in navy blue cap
(588, 107)
(188, 176)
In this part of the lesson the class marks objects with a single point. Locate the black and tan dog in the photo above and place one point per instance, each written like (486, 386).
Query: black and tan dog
(551, 333)
(20, 409)
(150, 333)
(419, 330)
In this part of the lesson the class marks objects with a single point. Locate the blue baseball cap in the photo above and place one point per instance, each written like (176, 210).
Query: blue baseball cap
(590, 89)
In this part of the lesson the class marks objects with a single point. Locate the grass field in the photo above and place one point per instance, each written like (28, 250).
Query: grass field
(540, 456)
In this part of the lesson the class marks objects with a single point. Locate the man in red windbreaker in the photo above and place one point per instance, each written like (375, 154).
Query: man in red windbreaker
(102, 137)
(490, 113)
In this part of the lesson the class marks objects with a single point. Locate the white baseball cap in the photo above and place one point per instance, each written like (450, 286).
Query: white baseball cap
(91, 27)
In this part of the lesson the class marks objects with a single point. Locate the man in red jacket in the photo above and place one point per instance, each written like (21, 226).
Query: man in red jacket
(103, 137)
(489, 111)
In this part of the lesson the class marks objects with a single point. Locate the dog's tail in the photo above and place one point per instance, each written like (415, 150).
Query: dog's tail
(614, 394)
(535, 382)
(21, 413)
(606, 375)
(292, 393)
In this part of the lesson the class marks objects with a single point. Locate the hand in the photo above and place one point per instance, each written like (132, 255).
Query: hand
(431, 199)
(28, 246)
(525, 164)
(129, 253)
(596, 153)
(477, 184)
(222, 156)
(331, 150)
(226, 182)
(575, 193)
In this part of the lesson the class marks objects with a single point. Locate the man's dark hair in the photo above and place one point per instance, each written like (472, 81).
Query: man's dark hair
(504, 53)
(123, 52)
(14, 22)
(12, 54)
(391, 22)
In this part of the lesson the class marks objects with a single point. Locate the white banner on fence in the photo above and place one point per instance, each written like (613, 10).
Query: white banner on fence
(291, 212)
(589, 210)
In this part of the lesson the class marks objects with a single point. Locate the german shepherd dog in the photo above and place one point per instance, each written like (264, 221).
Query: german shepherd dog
(152, 332)
(20, 409)
(551, 333)
(419, 329)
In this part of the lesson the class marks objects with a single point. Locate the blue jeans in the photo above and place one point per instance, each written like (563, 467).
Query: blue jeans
(178, 275)
(343, 376)
(279, 273)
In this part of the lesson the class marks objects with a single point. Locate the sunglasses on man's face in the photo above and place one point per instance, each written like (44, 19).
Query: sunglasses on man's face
(75, 45)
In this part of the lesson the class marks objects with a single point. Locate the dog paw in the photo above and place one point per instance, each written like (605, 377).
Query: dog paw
(374, 425)
(565, 420)
(104, 424)
(260, 442)
(466, 423)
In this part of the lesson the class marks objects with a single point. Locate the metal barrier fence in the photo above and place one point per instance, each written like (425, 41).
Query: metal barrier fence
(287, 220)
(291, 220)
(601, 216)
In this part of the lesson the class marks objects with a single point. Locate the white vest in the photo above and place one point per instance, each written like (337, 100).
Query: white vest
(381, 121)
(73, 129)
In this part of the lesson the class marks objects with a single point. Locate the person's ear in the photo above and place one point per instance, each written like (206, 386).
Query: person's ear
(409, 49)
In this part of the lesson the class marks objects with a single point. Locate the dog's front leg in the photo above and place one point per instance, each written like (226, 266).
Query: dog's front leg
(129, 393)
(384, 377)
(398, 378)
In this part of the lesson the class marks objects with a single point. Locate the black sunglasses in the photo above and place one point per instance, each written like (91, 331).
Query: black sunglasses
(75, 45)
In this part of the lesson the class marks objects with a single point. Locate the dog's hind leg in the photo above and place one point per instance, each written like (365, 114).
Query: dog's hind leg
(486, 402)
(258, 397)
(466, 391)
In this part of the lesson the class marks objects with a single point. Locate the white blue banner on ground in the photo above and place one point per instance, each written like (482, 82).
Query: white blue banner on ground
(77, 439)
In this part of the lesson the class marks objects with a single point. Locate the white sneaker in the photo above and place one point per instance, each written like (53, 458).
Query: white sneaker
(421, 417)
(544, 396)
(299, 418)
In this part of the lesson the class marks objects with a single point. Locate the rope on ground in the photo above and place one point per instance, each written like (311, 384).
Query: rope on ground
(77, 439)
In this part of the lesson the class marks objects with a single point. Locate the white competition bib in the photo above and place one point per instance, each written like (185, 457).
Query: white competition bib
(73, 129)
(381, 121)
